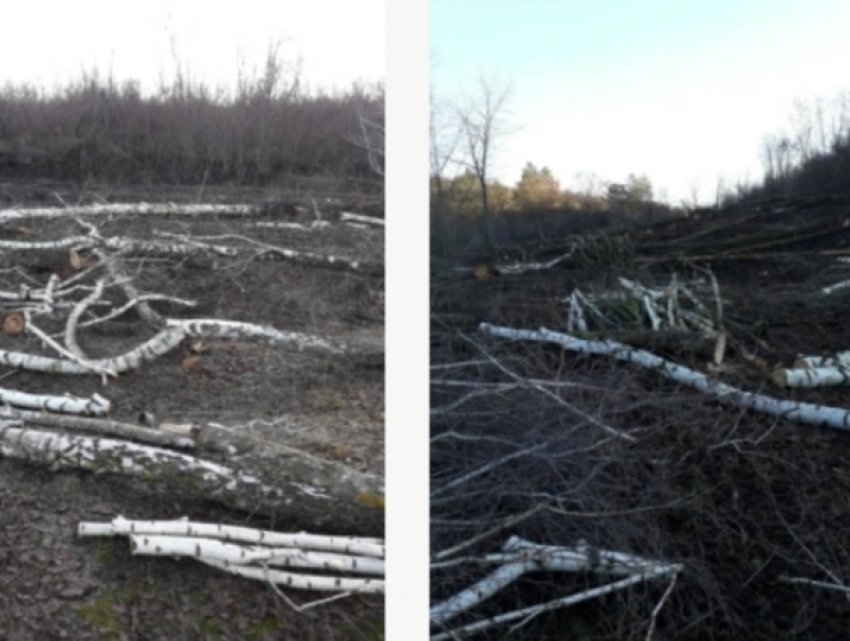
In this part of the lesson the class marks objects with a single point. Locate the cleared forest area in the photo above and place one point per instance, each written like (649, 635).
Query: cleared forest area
(643, 431)
(192, 296)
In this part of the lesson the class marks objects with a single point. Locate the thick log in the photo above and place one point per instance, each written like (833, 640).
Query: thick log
(255, 476)
(812, 377)
(332, 497)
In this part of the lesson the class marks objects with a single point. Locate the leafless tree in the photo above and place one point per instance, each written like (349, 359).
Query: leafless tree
(482, 116)
(722, 192)
(370, 133)
(444, 139)
(694, 188)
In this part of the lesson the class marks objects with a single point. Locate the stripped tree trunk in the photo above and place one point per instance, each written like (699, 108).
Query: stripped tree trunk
(255, 476)
(796, 411)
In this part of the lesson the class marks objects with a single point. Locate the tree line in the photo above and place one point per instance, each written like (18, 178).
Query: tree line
(266, 130)
(468, 205)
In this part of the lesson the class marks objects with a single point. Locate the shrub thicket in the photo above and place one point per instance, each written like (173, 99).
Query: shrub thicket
(268, 129)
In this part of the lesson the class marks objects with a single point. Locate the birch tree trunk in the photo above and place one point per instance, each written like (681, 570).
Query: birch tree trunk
(252, 475)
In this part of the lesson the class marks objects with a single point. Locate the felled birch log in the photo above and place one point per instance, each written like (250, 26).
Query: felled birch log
(160, 344)
(361, 546)
(212, 328)
(360, 218)
(796, 411)
(522, 557)
(812, 377)
(832, 288)
(264, 251)
(841, 359)
(316, 224)
(343, 494)
(196, 248)
(103, 426)
(229, 553)
(287, 484)
(167, 209)
(170, 338)
(96, 404)
(261, 561)
(289, 579)
(45, 245)
(526, 614)
(366, 352)
(318, 260)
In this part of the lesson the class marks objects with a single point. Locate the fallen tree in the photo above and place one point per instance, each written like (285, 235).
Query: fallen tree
(208, 461)
(260, 554)
(255, 476)
(519, 557)
(798, 411)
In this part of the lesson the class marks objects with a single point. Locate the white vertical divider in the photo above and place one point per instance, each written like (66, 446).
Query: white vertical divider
(407, 298)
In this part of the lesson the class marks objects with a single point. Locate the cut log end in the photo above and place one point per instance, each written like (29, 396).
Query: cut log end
(14, 324)
(485, 271)
(802, 363)
(780, 377)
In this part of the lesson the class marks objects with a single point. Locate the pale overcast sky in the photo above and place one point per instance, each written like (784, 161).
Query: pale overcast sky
(682, 90)
(48, 41)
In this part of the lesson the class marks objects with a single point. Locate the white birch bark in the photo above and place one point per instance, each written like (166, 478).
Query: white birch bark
(212, 328)
(321, 260)
(139, 301)
(339, 488)
(841, 359)
(316, 224)
(522, 268)
(264, 251)
(74, 319)
(145, 311)
(576, 320)
(803, 412)
(535, 610)
(45, 245)
(257, 476)
(812, 377)
(523, 557)
(480, 591)
(832, 288)
(109, 455)
(286, 493)
(232, 553)
(96, 404)
(169, 209)
(357, 546)
(105, 426)
(360, 218)
(160, 344)
(86, 365)
(161, 248)
(303, 582)
(639, 291)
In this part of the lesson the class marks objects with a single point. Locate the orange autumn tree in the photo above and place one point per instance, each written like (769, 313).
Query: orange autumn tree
(537, 189)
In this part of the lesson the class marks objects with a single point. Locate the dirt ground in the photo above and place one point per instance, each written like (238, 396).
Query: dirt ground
(55, 585)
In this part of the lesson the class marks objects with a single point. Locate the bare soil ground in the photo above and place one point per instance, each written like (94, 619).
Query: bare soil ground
(55, 585)
(743, 500)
